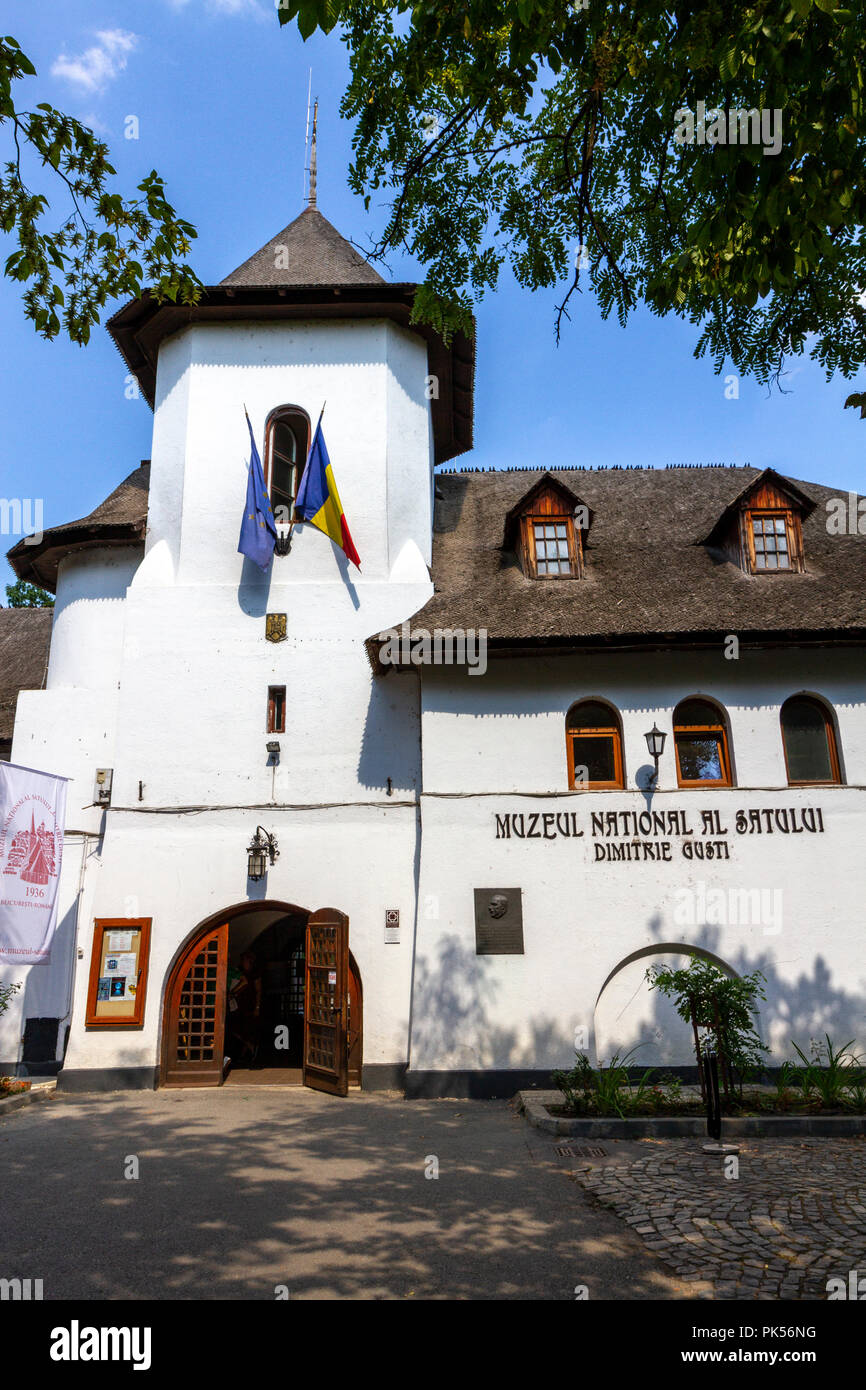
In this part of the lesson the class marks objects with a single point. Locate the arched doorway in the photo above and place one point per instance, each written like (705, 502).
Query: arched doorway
(265, 992)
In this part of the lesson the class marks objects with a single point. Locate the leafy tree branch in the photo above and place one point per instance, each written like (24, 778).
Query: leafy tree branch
(105, 247)
(520, 131)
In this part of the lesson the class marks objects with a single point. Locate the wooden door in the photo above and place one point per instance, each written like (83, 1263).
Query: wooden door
(326, 995)
(196, 1013)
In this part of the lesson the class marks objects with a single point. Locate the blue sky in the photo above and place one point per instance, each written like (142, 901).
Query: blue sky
(220, 94)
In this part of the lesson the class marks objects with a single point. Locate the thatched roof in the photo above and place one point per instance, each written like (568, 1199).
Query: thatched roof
(25, 636)
(120, 520)
(649, 576)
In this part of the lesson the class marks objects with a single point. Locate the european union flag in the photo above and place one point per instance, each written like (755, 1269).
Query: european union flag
(258, 533)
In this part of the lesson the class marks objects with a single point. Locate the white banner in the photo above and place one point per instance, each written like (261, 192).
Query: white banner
(32, 819)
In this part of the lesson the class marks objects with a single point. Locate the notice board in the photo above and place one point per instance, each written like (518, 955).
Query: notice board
(118, 972)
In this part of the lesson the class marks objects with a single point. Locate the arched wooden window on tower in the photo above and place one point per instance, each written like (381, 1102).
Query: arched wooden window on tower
(809, 740)
(287, 443)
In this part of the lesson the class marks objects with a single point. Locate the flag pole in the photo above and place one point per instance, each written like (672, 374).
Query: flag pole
(247, 417)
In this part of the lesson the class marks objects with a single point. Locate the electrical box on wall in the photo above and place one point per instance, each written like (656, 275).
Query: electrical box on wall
(102, 786)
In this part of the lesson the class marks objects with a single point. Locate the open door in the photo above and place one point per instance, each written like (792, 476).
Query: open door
(326, 1054)
(355, 1015)
(196, 1005)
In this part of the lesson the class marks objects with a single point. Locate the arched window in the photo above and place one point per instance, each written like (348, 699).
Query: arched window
(701, 743)
(594, 740)
(287, 443)
(809, 741)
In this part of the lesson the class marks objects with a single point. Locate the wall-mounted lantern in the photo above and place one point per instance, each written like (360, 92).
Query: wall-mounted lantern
(261, 849)
(655, 742)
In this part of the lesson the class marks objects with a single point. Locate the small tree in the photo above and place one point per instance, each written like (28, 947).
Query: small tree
(722, 1008)
(24, 595)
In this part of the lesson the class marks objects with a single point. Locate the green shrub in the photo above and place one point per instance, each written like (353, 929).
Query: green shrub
(829, 1073)
(721, 1008)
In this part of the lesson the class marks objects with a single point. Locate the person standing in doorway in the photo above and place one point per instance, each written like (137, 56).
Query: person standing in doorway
(245, 1019)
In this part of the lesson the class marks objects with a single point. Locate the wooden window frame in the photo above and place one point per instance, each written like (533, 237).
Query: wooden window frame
(830, 730)
(294, 415)
(613, 730)
(793, 536)
(101, 926)
(276, 721)
(575, 549)
(688, 730)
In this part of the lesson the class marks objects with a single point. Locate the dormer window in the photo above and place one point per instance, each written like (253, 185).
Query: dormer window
(770, 548)
(287, 443)
(546, 530)
(761, 530)
(552, 546)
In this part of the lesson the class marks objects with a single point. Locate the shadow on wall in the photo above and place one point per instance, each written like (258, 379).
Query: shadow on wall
(391, 741)
(629, 1015)
(456, 993)
(454, 1033)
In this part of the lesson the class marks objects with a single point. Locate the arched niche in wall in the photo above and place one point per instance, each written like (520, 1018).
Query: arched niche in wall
(629, 1015)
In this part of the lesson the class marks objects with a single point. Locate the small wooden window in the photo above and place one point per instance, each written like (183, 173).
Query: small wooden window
(552, 547)
(276, 709)
(701, 743)
(809, 741)
(594, 743)
(771, 542)
(118, 972)
(287, 443)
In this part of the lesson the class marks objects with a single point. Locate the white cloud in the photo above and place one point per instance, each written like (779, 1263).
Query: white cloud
(95, 124)
(92, 70)
(229, 7)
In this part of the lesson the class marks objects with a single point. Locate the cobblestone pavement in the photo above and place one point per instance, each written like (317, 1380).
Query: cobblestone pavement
(793, 1217)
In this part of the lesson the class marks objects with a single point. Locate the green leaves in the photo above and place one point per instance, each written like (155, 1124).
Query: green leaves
(310, 14)
(730, 63)
(554, 129)
(108, 247)
(24, 595)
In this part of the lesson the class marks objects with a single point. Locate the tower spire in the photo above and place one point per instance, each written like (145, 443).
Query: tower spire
(311, 199)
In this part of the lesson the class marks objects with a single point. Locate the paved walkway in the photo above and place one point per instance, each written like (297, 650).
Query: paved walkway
(793, 1217)
(243, 1189)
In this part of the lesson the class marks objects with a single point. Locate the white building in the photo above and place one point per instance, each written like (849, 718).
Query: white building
(478, 859)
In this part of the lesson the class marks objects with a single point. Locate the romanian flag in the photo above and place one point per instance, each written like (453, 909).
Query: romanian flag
(318, 500)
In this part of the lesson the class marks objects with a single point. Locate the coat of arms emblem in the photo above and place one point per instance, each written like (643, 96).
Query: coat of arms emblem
(275, 627)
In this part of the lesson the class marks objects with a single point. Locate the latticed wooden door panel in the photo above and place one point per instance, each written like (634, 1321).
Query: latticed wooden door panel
(196, 1022)
(326, 998)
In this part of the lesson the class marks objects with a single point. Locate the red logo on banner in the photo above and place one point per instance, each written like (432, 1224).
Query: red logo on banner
(32, 855)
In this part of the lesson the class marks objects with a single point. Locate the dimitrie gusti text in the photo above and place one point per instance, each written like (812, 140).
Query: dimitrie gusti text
(640, 835)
